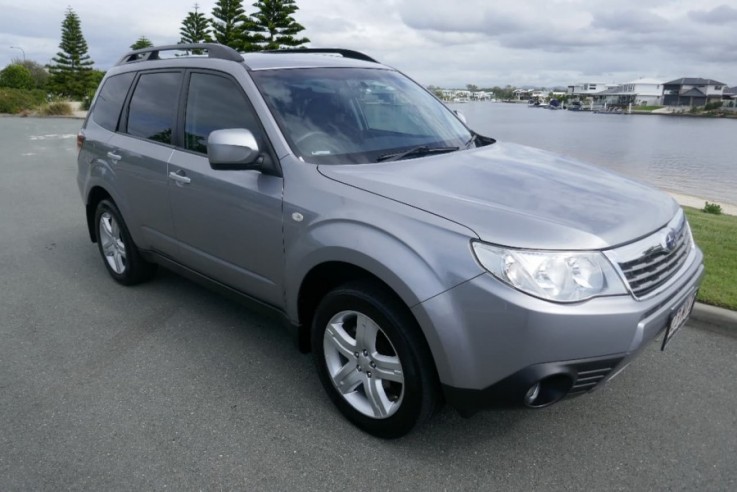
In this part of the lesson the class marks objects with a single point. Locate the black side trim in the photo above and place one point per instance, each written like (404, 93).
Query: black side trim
(584, 375)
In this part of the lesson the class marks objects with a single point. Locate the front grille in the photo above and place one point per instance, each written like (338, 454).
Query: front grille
(651, 262)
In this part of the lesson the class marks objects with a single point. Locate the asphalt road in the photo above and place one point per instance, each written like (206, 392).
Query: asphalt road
(168, 386)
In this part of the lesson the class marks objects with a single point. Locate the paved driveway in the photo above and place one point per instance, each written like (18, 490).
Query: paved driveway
(168, 386)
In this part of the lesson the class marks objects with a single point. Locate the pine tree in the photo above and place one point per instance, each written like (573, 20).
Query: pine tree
(72, 66)
(275, 27)
(195, 28)
(229, 24)
(143, 42)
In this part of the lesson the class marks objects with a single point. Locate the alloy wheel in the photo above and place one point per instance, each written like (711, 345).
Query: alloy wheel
(363, 365)
(111, 240)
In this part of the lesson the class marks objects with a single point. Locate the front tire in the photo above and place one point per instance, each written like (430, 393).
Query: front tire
(373, 361)
(119, 253)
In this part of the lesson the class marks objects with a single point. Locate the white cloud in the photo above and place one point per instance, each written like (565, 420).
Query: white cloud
(443, 42)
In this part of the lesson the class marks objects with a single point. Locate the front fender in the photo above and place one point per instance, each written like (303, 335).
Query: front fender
(417, 254)
(418, 264)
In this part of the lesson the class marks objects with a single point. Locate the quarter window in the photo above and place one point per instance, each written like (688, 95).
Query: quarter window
(110, 100)
(153, 107)
(215, 103)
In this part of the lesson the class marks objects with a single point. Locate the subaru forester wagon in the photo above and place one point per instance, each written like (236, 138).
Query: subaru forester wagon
(419, 261)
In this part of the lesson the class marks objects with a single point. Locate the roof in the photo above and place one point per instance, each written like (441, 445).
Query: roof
(266, 61)
(693, 81)
(644, 81)
(731, 90)
(610, 91)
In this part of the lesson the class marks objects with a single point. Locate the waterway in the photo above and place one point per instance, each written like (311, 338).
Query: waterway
(691, 156)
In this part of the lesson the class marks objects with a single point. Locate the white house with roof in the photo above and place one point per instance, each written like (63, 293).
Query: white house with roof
(586, 89)
(643, 92)
(522, 94)
(640, 92)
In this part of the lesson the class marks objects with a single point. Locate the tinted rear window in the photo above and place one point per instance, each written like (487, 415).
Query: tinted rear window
(153, 107)
(110, 100)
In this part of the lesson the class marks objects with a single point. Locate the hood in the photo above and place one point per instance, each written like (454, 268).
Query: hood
(518, 196)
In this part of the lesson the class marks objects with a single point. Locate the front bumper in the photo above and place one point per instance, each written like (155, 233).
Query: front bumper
(564, 379)
(491, 343)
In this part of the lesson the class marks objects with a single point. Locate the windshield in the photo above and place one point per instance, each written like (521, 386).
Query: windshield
(358, 115)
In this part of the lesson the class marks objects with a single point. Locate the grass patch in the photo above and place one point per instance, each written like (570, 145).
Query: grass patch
(57, 108)
(15, 101)
(645, 108)
(716, 235)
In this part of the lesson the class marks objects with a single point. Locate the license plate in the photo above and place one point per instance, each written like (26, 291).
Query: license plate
(678, 318)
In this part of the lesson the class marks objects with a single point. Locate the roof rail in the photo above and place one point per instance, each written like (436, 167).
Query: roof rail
(356, 55)
(214, 50)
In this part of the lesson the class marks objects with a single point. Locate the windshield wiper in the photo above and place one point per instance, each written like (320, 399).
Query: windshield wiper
(471, 141)
(415, 152)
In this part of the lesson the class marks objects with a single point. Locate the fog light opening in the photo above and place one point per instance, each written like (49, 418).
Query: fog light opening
(548, 391)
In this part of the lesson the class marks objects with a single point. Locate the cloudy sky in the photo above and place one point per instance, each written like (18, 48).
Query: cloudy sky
(440, 42)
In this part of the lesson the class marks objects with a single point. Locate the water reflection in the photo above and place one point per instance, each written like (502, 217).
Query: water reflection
(693, 156)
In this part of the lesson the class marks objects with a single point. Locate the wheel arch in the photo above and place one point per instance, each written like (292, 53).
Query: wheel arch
(94, 197)
(320, 280)
(328, 275)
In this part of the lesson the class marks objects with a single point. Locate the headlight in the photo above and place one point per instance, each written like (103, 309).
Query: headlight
(553, 275)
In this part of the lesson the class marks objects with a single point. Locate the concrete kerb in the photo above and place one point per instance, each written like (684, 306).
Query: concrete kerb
(715, 319)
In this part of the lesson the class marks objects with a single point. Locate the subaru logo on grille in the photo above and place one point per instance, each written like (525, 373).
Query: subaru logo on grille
(670, 241)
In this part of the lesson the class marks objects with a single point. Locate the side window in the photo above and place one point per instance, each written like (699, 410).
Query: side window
(215, 103)
(153, 107)
(110, 100)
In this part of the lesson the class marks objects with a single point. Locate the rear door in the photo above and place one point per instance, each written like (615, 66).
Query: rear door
(228, 223)
(140, 153)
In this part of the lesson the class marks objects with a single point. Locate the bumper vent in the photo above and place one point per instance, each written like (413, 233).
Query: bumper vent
(649, 263)
(589, 374)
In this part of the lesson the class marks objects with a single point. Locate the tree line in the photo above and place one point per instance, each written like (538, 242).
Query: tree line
(71, 73)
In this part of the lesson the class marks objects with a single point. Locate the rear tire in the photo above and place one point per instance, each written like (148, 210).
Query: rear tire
(119, 253)
(372, 360)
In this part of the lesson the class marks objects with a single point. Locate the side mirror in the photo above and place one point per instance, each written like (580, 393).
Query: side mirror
(460, 116)
(233, 149)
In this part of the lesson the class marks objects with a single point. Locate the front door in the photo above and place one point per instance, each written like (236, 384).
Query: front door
(228, 223)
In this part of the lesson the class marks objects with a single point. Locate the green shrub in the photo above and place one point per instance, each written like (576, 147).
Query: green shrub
(16, 77)
(38, 72)
(712, 208)
(58, 108)
(14, 101)
(713, 105)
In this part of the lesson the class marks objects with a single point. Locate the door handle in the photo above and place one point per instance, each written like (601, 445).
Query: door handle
(115, 157)
(179, 178)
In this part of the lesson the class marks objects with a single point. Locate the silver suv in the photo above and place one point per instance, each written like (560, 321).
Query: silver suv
(419, 261)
